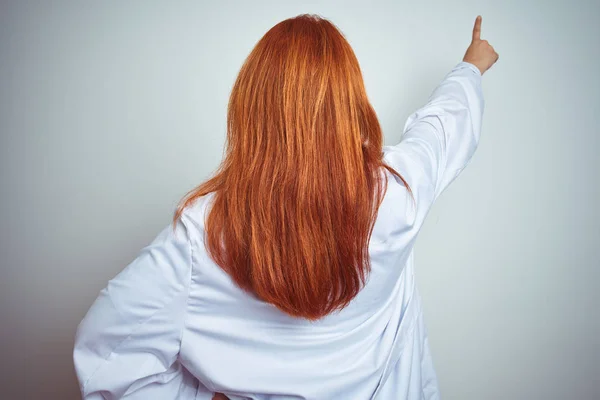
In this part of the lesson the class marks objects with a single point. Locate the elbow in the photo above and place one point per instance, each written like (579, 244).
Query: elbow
(79, 366)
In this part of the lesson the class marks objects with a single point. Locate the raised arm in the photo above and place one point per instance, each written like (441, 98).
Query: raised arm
(441, 137)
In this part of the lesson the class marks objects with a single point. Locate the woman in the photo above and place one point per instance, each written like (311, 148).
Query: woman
(289, 274)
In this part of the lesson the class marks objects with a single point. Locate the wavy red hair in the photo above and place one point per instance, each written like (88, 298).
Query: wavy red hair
(297, 194)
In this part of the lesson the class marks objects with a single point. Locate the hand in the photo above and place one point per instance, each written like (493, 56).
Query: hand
(480, 53)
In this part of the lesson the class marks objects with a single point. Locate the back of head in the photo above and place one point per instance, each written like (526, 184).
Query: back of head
(297, 194)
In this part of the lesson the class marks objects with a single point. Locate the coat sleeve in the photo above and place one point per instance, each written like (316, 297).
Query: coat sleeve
(130, 338)
(440, 138)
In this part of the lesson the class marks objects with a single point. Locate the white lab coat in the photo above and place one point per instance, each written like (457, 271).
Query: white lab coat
(173, 325)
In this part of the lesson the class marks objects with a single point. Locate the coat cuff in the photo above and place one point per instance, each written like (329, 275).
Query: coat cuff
(466, 64)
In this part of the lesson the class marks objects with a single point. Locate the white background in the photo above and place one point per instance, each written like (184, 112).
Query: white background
(111, 111)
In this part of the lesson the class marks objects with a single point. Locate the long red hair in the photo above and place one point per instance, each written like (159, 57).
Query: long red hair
(297, 193)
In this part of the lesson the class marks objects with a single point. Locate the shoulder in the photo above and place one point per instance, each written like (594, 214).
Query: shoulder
(406, 164)
(193, 218)
(418, 177)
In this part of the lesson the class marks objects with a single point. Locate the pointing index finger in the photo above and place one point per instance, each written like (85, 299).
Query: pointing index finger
(477, 28)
